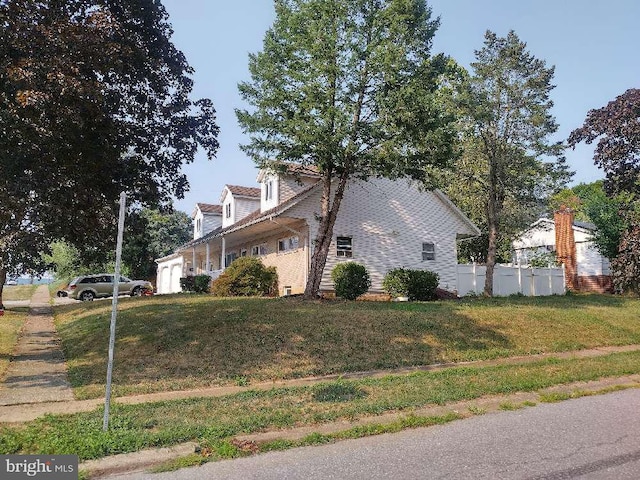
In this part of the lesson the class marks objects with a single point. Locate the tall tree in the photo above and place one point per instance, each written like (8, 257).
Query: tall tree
(94, 100)
(507, 120)
(350, 87)
(152, 234)
(616, 128)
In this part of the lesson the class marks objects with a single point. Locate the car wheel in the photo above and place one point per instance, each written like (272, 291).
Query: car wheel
(136, 292)
(87, 296)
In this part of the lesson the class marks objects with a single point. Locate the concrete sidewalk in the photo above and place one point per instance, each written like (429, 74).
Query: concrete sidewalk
(37, 372)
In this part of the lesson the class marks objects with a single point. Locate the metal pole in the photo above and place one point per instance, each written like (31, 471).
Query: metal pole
(114, 310)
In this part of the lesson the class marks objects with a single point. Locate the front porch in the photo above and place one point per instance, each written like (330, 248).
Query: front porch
(282, 243)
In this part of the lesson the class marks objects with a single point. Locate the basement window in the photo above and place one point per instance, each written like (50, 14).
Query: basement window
(428, 251)
(344, 247)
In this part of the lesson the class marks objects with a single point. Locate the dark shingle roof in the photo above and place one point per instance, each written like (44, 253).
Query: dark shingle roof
(244, 191)
(209, 208)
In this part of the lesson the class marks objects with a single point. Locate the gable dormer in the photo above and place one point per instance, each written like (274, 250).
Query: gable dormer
(278, 187)
(238, 202)
(206, 218)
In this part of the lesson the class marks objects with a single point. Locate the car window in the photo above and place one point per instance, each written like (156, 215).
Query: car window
(124, 279)
(88, 280)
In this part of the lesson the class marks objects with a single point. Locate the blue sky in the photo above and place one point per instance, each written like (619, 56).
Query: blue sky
(592, 43)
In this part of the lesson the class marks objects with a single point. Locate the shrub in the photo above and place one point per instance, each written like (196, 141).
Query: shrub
(197, 284)
(246, 277)
(416, 284)
(351, 280)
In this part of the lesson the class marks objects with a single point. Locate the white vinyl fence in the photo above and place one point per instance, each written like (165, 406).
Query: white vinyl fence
(509, 280)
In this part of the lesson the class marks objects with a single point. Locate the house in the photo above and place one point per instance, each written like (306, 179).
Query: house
(591, 271)
(382, 224)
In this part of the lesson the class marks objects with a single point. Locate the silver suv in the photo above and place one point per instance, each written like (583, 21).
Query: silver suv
(88, 287)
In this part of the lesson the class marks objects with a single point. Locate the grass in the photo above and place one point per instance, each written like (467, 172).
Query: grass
(214, 421)
(10, 324)
(189, 341)
(18, 292)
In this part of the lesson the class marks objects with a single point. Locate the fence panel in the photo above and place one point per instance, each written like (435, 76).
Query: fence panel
(508, 280)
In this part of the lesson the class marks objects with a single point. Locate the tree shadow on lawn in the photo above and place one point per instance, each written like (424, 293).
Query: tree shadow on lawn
(161, 346)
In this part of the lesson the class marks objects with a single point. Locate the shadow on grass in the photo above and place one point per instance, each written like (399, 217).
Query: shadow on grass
(190, 341)
(194, 341)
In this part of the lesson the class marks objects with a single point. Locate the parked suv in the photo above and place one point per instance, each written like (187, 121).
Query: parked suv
(88, 287)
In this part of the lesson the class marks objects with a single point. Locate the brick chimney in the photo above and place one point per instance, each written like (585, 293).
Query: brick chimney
(566, 245)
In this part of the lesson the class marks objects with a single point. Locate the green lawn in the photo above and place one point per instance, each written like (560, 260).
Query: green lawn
(10, 324)
(189, 341)
(18, 292)
(211, 421)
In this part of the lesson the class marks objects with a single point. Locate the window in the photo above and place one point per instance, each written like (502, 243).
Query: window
(229, 258)
(344, 247)
(287, 244)
(258, 250)
(243, 252)
(198, 226)
(268, 190)
(227, 210)
(428, 251)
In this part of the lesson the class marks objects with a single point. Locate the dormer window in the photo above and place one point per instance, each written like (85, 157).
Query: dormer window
(227, 210)
(268, 190)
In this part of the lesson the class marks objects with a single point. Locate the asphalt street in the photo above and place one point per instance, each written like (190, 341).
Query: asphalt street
(588, 438)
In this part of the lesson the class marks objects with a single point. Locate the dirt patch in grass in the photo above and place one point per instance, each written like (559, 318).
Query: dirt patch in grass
(190, 341)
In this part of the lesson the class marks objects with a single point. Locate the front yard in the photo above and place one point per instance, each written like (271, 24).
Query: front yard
(188, 341)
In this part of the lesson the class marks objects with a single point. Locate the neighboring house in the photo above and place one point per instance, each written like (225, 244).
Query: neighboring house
(382, 224)
(592, 269)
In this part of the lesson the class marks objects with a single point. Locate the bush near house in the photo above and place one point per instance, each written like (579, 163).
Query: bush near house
(246, 277)
(196, 284)
(351, 280)
(417, 285)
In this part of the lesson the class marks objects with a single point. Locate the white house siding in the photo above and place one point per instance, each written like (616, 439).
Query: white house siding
(542, 238)
(244, 206)
(207, 222)
(388, 222)
(289, 186)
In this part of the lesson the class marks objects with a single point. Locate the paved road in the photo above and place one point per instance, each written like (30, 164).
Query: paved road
(588, 438)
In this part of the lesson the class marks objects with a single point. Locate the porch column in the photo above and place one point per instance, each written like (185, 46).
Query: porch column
(223, 259)
(193, 262)
(208, 257)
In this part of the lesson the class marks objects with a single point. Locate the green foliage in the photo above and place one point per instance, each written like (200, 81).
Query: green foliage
(97, 93)
(348, 87)
(152, 234)
(616, 128)
(350, 279)
(246, 277)
(196, 284)
(626, 265)
(67, 262)
(417, 285)
(543, 260)
(501, 181)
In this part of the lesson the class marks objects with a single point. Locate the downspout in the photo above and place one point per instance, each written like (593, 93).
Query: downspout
(306, 245)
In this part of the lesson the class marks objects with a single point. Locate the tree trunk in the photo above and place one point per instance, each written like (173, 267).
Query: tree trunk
(3, 278)
(322, 241)
(491, 255)
(492, 226)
